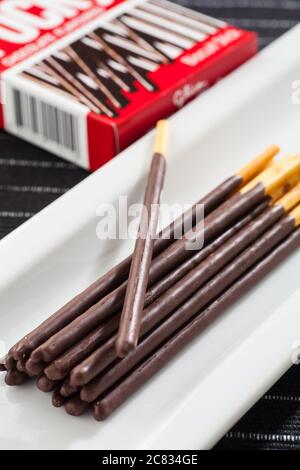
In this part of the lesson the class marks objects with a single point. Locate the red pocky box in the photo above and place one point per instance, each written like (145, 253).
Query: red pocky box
(86, 78)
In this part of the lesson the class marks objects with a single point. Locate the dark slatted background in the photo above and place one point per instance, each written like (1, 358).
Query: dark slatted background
(31, 178)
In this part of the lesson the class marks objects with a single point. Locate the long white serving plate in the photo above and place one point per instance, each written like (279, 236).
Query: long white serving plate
(193, 401)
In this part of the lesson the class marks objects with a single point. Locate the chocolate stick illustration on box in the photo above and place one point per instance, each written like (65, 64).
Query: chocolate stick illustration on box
(97, 36)
(138, 39)
(70, 51)
(170, 15)
(93, 59)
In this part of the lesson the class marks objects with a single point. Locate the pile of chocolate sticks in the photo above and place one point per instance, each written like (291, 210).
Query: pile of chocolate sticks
(108, 341)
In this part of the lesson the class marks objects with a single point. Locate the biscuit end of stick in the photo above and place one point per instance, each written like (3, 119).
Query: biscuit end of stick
(283, 190)
(162, 137)
(290, 199)
(276, 175)
(258, 164)
(296, 215)
(271, 170)
(283, 174)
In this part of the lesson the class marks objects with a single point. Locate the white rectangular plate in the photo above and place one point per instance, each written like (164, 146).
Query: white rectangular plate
(204, 390)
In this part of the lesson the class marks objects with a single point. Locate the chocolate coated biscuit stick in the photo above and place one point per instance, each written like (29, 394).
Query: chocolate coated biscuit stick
(218, 221)
(46, 385)
(2, 364)
(75, 406)
(34, 368)
(67, 390)
(73, 356)
(186, 287)
(9, 362)
(62, 365)
(109, 403)
(202, 297)
(118, 274)
(142, 256)
(215, 223)
(57, 399)
(13, 377)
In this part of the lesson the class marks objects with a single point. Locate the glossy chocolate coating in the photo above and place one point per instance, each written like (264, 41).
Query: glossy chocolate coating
(107, 405)
(155, 291)
(76, 354)
(67, 390)
(76, 407)
(137, 283)
(13, 377)
(33, 369)
(201, 297)
(117, 275)
(218, 221)
(61, 366)
(10, 362)
(21, 366)
(184, 288)
(3, 367)
(46, 385)
(57, 399)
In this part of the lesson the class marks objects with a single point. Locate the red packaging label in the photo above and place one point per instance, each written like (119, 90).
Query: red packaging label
(110, 70)
(26, 26)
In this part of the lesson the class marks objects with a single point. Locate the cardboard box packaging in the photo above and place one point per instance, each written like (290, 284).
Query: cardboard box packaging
(86, 78)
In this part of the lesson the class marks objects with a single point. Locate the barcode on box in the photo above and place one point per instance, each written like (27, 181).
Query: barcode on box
(48, 122)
